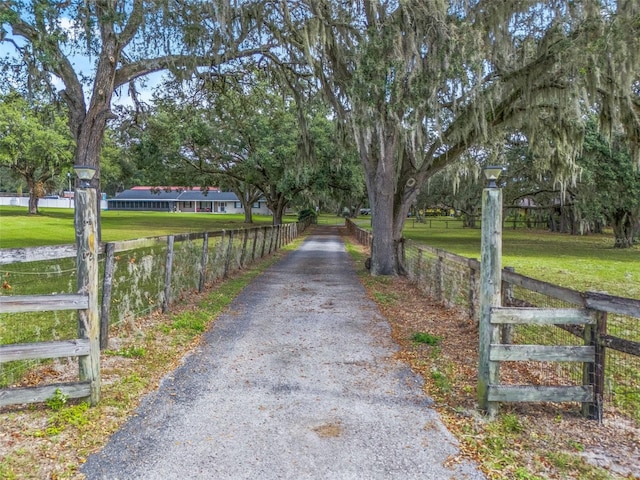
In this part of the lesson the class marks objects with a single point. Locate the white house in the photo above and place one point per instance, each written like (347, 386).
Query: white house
(180, 199)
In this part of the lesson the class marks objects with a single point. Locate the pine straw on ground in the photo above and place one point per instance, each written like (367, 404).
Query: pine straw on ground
(525, 441)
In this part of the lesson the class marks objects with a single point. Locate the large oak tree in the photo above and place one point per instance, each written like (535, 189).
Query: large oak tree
(121, 42)
(246, 135)
(419, 82)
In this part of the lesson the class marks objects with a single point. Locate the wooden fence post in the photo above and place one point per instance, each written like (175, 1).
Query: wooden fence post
(506, 330)
(490, 279)
(86, 226)
(167, 275)
(203, 262)
(255, 242)
(107, 285)
(473, 281)
(594, 373)
(227, 260)
(264, 241)
(271, 241)
(440, 279)
(245, 239)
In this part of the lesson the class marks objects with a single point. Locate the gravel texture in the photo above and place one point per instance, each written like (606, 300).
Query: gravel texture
(296, 380)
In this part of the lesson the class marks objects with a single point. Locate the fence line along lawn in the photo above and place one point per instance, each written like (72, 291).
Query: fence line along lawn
(584, 263)
(54, 226)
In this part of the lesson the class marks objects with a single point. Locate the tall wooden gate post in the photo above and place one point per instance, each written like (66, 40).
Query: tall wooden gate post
(490, 288)
(86, 225)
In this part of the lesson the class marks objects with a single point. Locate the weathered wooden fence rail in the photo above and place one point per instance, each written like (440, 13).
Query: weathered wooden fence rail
(130, 273)
(454, 281)
(44, 350)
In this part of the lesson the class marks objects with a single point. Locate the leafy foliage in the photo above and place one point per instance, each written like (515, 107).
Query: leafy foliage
(417, 84)
(266, 149)
(121, 42)
(35, 145)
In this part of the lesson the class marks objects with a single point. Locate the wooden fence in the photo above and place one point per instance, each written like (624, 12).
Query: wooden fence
(219, 253)
(455, 281)
(86, 345)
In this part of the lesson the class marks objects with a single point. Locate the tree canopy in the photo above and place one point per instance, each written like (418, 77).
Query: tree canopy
(35, 144)
(418, 83)
(118, 43)
(414, 84)
(246, 135)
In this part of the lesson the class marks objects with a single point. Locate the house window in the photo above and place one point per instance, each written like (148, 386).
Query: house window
(237, 205)
(256, 205)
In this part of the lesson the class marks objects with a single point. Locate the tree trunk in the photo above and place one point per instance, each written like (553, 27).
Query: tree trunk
(468, 221)
(277, 203)
(402, 205)
(248, 215)
(33, 204)
(622, 223)
(383, 255)
(246, 206)
(34, 195)
(390, 197)
(88, 127)
(380, 187)
(278, 212)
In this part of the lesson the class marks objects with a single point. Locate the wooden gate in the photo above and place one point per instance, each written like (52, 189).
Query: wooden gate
(46, 350)
(586, 354)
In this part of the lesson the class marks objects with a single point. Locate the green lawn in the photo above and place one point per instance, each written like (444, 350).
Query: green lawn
(54, 226)
(580, 262)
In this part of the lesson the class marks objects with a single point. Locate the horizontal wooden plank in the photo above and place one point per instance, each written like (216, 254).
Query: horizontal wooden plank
(541, 353)
(126, 245)
(36, 254)
(542, 316)
(18, 396)
(42, 303)
(612, 304)
(621, 344)
(532, 393)
(181, 237)
(40, 350)
(545, 288)
(452, 257)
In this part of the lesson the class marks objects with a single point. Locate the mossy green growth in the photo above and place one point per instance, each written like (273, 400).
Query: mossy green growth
(426, 338)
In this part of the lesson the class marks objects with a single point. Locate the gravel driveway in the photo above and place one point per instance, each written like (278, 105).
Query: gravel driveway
(295, 381)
